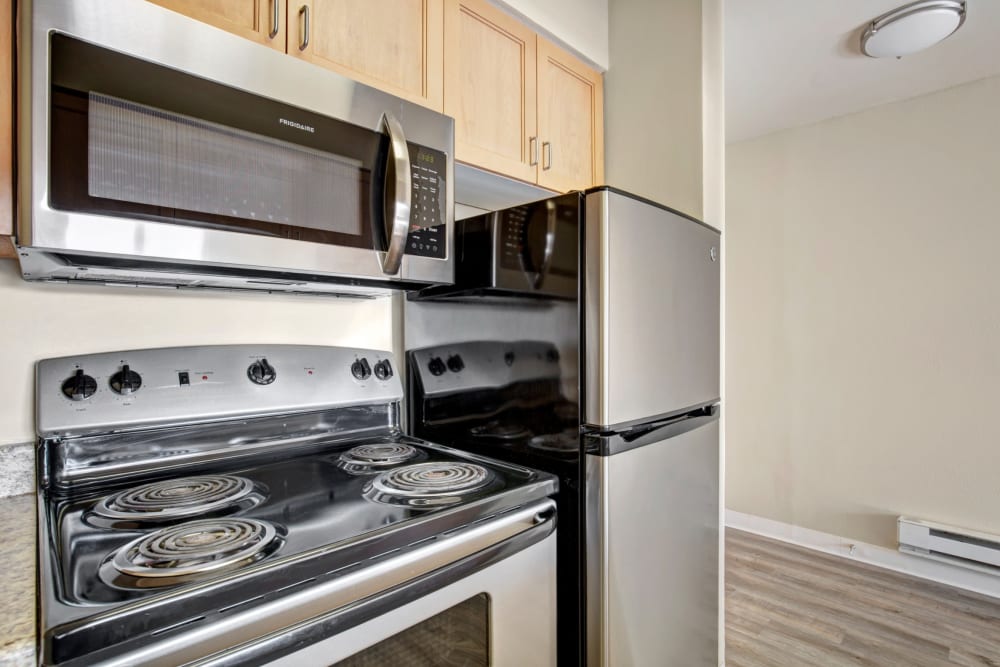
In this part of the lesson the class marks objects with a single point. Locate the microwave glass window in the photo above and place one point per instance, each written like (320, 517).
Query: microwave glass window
(144, 155)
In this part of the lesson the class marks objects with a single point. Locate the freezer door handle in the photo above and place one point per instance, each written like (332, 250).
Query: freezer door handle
(609, 444)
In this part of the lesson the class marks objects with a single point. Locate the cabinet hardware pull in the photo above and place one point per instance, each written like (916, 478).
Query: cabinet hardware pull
(533, 151)
(275, 18)
(546, 164)
(304, 13)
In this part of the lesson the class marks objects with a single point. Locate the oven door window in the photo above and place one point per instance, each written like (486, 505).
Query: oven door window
(457, 637)
(134, 139)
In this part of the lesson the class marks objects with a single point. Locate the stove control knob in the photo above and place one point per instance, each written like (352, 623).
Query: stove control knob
(79, 386)
(125, 381)
(383, 370)
(436, 366)
(508, 358)
(361, 369)
(261, 372)
(552, 356)
(455, 363)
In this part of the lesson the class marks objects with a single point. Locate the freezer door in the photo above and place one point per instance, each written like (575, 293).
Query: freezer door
(653, 552)
(651, 311)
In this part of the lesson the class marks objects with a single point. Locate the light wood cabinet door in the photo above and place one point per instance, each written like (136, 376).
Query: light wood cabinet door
(262, 21)
(489, 87)
(393, 45)
(6, 131)
(570, 121)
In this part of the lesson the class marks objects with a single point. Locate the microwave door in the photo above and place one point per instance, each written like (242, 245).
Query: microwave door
(398, 193)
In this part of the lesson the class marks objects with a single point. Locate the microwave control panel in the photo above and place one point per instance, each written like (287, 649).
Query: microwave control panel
(428, 215)
(513, 236)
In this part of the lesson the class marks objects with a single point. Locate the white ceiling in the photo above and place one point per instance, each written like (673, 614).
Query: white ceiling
(794, 62)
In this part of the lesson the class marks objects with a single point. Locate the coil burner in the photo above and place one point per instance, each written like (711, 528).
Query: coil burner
(178, 499)
(190, 551)
(375, 457)
(431, 484)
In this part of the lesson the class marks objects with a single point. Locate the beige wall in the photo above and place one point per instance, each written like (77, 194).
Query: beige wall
(863, 318)
(39, 321)
(653, 101)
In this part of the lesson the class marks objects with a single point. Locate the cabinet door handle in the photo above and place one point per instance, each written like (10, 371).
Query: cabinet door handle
(275, 19)
(532, 151)
(304, 13)
(546, 152)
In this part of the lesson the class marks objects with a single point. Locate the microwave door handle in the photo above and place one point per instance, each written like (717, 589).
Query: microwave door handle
(550, 243)
(398, 216)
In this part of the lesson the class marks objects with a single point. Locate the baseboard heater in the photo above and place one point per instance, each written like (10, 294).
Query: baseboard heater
(950, 544)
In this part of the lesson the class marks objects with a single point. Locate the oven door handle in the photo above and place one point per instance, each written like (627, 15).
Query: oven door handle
(397, 217)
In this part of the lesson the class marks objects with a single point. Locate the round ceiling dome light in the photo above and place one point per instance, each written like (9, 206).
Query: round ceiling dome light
(912, 28)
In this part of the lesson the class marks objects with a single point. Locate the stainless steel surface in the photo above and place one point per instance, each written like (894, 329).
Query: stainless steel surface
(309, 378)
(651, 312)
(399, 216)
(533, 151)
(304, 15)
(652, 591)
(167, 38)
(275, 19)
(297, 608)
(546, 163)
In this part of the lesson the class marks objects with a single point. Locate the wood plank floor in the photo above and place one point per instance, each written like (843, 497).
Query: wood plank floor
(791, 606)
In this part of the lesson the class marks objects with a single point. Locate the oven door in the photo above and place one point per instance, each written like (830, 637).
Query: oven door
(152, 139)
(503, 615)
(482, 594)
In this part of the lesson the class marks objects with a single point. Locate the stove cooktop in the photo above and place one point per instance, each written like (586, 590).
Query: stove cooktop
(135, 541)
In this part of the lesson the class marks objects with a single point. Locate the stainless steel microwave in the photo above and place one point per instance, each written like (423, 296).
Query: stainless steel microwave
(156, 150)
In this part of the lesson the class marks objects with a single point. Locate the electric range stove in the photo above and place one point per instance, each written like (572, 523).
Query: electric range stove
(214, 506)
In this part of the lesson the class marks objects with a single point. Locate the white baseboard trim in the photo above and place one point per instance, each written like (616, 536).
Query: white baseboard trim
(942, 573)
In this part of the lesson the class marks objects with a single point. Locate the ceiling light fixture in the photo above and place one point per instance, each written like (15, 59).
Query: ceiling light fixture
(912, 28)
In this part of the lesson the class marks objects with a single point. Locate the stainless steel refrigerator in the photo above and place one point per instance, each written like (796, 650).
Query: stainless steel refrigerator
(650, 419)
(582, 337)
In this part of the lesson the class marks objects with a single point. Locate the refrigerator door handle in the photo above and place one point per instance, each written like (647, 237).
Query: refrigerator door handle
(609, 444)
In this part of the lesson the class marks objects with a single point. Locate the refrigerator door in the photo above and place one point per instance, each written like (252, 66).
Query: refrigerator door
(653, 548)
(651, 311)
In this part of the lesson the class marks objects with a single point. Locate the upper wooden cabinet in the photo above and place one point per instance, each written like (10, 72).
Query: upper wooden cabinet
(396, 47)
(489, 87)
(570, 121)
(522, 106)
(262, 21)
